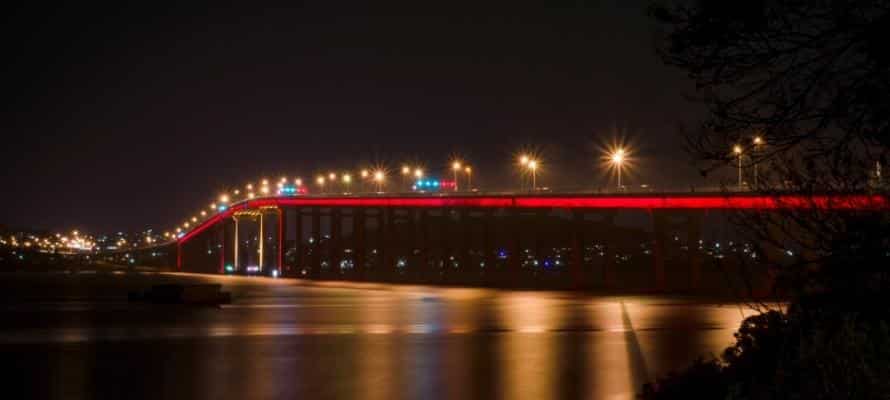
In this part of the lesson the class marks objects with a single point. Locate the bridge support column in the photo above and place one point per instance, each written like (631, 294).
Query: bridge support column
(694, 257)
(282, 238)
(315, 259)
(298, 241)
(336, 249)
(235, 244)
(578, 273)
(385, 241)
(489, 270)
(465, 232)
(659, 230)
(358, 241)
(222, 247)
(538, 224)
(425, 270)
(608, 249)
(447, 268)
(262, 236)
(514, 270)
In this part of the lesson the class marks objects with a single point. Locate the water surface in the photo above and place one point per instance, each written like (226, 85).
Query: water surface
(75, 336)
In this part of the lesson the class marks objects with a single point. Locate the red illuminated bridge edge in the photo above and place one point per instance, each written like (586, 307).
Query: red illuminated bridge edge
(640, 202)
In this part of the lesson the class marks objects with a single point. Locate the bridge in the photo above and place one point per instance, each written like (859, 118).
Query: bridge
(439, 232)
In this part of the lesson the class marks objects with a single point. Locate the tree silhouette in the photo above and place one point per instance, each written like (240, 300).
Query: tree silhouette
(811, 79)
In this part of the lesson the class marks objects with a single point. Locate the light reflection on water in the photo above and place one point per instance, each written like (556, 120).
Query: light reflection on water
(368, 341)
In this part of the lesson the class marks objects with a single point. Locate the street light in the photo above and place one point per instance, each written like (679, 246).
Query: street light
(738, 151)
(320, 182)
(523, 163)
(617, 158)
(418, 173)
(379, 176)
(757, 142)
(347, 179)
(332, 178)
(406, 175)
(469, 172)
(224, 198)
(455, 168)
(533, 166)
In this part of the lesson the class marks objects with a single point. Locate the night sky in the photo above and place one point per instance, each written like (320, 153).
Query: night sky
(136, 116)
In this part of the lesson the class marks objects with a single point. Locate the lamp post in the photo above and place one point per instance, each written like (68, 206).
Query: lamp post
(320, 182)
(406, 176)
(757, 142)
(533, 166)
(455, 168)
(378, 178)
(469, 172)
(347, 179)
(365, 175)
(523, 163)
(617, 158)
(738, 151)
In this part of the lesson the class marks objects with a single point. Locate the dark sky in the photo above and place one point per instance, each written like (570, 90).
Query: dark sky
(132, 116)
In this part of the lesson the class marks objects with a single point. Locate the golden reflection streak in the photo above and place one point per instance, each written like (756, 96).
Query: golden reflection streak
(528, 374)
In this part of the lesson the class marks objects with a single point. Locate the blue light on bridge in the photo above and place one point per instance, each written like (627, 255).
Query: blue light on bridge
(222, 207)
(426, 184)
(288, 190)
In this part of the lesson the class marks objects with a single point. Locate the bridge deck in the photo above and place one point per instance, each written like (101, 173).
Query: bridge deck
(564, 201)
